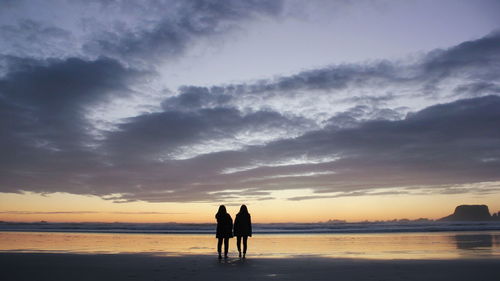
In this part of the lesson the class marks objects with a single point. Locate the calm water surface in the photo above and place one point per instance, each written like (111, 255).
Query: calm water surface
(445, 245)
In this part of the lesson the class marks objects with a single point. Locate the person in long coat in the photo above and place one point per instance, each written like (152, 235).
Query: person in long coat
(224, 230)
(242, 229)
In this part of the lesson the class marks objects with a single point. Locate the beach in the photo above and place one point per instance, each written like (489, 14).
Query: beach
(108, 267)
(127, 256)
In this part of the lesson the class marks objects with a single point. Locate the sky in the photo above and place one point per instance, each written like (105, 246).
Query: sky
(306, 111)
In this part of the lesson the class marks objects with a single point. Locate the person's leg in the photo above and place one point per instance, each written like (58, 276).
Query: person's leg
(238, 244)
(245, 238)
(226, 246)
(219, 247)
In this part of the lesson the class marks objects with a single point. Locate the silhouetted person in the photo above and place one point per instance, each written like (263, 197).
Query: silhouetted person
(224, 229)
(242, 229)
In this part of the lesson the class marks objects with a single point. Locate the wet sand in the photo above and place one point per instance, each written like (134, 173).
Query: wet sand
(392, 246)
(108, 267)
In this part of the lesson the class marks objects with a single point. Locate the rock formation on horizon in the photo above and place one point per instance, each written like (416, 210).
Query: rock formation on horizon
(469, 213)
(495, 216)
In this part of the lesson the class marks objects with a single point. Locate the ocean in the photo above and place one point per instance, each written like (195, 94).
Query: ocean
(258, 228)
(375, 240)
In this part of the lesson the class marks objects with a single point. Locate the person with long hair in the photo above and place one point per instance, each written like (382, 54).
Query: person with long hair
(224, 230)
(242, 229)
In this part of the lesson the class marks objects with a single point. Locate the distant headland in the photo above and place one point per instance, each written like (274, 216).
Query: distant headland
(471, 213)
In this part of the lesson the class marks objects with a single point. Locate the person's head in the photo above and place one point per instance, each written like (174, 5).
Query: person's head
(243, 209)
(222, 209)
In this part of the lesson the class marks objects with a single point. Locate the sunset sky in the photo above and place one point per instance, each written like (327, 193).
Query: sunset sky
(159, 111)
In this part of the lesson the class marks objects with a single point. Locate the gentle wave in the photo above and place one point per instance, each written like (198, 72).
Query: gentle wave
(270, 228)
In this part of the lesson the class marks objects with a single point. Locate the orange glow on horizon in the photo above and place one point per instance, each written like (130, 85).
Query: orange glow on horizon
(62, 207)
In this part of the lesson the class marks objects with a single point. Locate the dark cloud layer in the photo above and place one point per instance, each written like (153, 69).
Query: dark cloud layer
(455, 143)
(156, 133)
(170, 36)
(45, 134)
(475, 63)
(84, 213)
(252, 138)
(26, 36)
(139, 33)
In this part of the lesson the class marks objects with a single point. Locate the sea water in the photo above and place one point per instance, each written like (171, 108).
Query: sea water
(388, 245)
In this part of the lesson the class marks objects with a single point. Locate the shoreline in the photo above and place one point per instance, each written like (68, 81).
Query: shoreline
(211, 233)
(53, 266)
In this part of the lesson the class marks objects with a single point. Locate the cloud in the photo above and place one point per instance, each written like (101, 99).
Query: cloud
(29, 38)
(477, 89)
(394, 87)
(480, 188)
(345, 129)
(47, 213)
(169, 36)
(136, 33)
(345, 194)
(452, 143)
(453, 140)
(45, 134)
(163, 134)
(191, 98)
(83, 213)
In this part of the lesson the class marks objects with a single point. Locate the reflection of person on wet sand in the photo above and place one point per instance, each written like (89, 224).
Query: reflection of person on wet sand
(224, 230)
(242, 229)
